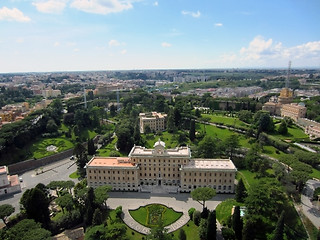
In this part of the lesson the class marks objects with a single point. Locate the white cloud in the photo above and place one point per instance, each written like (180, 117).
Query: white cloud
(102, 6)
(156, 4)
(113, 43)
(13, 14)
(56, 44)
(268, 53)
(193, 14)
(165, 44)
(50, 6)
(124, 51)
(218, 24)
(76, 50)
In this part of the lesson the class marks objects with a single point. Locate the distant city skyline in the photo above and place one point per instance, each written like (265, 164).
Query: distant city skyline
(85, 35)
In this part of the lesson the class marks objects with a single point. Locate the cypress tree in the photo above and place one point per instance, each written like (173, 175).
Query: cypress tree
(192, 132)
(237, 223)
(212, 226)
(241, 192)
(278, 233)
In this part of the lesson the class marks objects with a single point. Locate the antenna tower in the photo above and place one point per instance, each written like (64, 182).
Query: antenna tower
(288, 75)
(118, 100)
(85, 97)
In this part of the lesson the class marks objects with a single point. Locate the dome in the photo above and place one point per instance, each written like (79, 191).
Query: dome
(159, 143)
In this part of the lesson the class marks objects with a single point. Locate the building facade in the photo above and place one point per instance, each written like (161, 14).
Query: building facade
(156, 121)
(293, 111)
(161, 167)
(8, 184)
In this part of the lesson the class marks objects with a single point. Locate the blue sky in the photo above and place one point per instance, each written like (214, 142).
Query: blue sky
(79, 35)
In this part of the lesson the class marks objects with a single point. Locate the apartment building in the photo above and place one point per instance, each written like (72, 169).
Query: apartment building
(156, 121)
(161, 167)
(8, 184)
(293, 111)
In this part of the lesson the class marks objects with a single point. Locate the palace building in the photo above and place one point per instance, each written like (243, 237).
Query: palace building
(161, 167)
(155, 121)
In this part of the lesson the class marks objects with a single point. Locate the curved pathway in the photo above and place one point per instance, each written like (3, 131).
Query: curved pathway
(179, 202)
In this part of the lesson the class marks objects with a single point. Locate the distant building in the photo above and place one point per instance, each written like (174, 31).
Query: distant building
(8, 184)
(161, 167)
(293, 111)
(50, 93)
(156, 121)
(286, 96)
(310, 127)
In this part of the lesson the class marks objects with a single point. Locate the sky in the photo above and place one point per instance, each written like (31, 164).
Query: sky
(83, 35)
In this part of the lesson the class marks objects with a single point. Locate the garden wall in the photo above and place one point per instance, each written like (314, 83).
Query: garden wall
(21, 167)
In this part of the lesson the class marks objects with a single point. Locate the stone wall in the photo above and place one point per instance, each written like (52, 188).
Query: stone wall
(20, 167)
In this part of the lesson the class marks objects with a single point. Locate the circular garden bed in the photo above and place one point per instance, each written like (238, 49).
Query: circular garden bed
(151, 215)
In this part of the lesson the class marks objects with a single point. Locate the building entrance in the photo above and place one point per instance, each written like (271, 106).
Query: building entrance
(159, 182)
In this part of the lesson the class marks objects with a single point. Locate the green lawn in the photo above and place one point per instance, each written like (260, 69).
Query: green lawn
(39, 147)
(223, 210)
(247, 177)
(171, 140)
(191, 231)
(220, 119)
(148, 217)
(74, 175)
(294, 134)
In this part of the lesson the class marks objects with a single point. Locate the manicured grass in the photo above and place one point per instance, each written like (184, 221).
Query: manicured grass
(39, 148)
(223, 210)
(294, 134)
(248, 177)
(149, 215)
(106, 150)
(315, 173)
(169, 139)
(215, 131)
(191, 231)
(221, 119)
(74, 175)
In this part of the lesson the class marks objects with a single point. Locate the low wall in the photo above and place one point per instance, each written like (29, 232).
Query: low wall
(21, 167)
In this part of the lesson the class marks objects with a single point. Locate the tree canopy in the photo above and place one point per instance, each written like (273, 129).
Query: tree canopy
(203, 194)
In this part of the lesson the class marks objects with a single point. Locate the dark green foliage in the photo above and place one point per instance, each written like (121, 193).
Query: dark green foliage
(196, 217)
(119, 211)
(81, 157)
(27, 229)
(245, 116)
(5, 211)
(101, 195)
(96, 233)
(228, 233)
(278, 233)
(65, 202)
(283, 129)
(36, 204)
(237, 223)
(316, 193)
(205, 213)
(124, 132)
(51, 126)
(97, 217)
(207, 147)
(231, 144)
(89, 206)
(171, 122)
(182, 234)
(212, 225)
(190, 212)
(158, 233)
(91, 147)
(192, 131)
(241, 192)
(203, 194)
(203, 229)
(263, 122)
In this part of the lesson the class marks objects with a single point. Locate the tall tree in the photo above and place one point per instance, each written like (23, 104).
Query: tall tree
(203, 194)
(212, 225)
(203, 229)
(80, 152)
(192, 132)
(241, 192)
(158, 233)
(177, 117)
(171, 122)
(231, 144)
(283, 129)
(207, 147)
(237, 223)
(36, 205)
(97, 217)
(5, 211)
(182, 234)
(101, 195)
(91, 147)
(278, 233)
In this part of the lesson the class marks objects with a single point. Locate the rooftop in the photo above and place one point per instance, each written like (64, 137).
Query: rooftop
(217, 164)
(110, 162)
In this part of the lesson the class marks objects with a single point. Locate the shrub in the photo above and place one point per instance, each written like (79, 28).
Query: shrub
(190, 212)
(196, 217)
(119, 211)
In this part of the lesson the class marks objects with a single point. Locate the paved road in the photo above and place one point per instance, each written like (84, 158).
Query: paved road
(180, 202)
(57, 171)
(310, 210)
